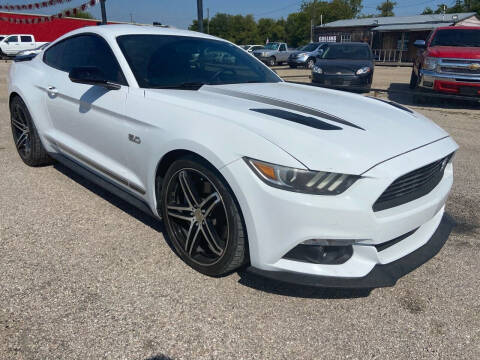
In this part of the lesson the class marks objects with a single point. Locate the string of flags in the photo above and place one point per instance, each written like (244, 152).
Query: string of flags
(39, 5)
(43, 19)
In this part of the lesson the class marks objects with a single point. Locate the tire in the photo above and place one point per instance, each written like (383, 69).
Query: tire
(272, 61)
(25, 135)
(202, 219)
(310, 63)
(413, 80)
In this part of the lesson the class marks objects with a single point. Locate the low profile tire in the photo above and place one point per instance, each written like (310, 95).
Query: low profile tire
(25, 135)
(413, 81)
(202, 219)
(272, 61)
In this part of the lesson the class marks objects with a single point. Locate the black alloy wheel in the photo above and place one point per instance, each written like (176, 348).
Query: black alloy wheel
(202, 218)
(25, 135)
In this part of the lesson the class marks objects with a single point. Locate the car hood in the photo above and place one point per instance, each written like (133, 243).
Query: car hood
(344, 63)
(328, 131)
(455, 52)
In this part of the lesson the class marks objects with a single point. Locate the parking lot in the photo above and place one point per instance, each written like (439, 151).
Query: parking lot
(83, 275)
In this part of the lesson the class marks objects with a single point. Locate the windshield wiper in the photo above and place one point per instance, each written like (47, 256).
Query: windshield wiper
(182, 86)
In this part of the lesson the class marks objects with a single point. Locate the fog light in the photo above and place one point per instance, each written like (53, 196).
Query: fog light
(319, 254)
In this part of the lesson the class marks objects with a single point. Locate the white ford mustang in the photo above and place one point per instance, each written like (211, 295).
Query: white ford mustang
(304, 184)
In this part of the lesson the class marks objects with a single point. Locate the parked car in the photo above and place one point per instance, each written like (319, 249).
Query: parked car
(346, 66)
(449, 61)
(13, 44)
(274, 53)
(252, 48)
(297, 182)
(306, 55)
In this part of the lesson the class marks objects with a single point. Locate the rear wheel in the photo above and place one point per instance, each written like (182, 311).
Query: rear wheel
(25, 135)
(202, 218)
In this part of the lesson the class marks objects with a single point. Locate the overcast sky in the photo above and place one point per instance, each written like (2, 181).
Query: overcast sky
(179, 13)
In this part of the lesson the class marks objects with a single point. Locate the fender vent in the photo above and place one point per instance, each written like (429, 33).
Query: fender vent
(298, 118)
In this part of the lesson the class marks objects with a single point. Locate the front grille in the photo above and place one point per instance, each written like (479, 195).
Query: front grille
(413, 185)
(459, 70)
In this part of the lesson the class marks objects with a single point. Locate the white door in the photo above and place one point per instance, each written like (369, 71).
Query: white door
(12, 45)
(26, 42)
(88, 120)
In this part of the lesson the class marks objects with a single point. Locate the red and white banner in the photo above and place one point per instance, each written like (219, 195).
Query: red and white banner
(33, 6)
(42, 19)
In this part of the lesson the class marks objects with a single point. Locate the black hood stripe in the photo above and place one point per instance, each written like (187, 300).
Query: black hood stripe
(297, 118)
(283, 104)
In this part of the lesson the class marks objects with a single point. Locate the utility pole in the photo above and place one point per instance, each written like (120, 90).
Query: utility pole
(104, 12)
(131, 18)
(200, 15)
(208, 21)
(311, 30)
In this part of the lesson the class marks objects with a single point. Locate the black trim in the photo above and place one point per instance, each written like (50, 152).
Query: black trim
(394, 104)
(297, 118)
(317, 254)
(103, 182)
(380, 276)
(387, 244)
(280, 103)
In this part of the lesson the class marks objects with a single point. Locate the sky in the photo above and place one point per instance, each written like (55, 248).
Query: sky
(180, 13)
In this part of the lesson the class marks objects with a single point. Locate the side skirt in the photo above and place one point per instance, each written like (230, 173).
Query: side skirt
(103, 182)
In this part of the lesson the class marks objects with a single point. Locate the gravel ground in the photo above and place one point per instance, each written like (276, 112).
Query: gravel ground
(83, 275)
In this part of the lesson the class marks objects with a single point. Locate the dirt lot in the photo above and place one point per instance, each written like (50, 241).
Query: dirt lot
(84, 275)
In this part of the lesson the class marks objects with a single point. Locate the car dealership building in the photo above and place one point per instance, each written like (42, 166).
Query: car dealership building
(391, 38)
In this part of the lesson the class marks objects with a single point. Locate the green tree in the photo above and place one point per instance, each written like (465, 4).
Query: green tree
(427, 11)
(83, 15)
(386, 8)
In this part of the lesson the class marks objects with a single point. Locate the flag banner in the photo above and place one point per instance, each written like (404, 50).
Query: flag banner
(33, 6)
(46, 18)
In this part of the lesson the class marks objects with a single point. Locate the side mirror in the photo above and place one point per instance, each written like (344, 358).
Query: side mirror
(420, 44)
(91, 76)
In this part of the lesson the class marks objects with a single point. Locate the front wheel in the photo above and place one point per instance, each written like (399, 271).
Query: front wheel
(202, 218)
(413, 80)
(25, 136)
(272, 61)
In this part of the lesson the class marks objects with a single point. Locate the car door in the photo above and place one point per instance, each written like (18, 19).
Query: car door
(12, 45)
(283, 54)
(88, 120)
(26, 42)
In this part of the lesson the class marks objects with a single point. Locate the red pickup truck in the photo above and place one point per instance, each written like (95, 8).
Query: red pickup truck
(449, 61)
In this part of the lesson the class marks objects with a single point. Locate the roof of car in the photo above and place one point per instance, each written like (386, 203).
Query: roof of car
(115, 30)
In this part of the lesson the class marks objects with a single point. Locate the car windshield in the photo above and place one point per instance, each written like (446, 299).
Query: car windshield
(353, 52)
(457, 37)
(271, 46)
(163, 61)
(309, 47)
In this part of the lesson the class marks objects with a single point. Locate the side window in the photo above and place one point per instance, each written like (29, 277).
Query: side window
(283, 47)
(85, 51)
(26, 39)
(12, 39)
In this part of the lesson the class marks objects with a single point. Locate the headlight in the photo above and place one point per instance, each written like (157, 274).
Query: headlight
(302, 55)
(317, 69)
(363, 70)
(303, 181)
(430, 63)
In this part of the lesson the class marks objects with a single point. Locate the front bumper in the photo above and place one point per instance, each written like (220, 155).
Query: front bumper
(301, 61)
(277, 220)
(343, 81)
(466, 85)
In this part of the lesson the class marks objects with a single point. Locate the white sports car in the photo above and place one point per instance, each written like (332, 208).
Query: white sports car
(303, 184)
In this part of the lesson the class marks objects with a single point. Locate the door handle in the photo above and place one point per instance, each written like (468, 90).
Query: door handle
(52, 90)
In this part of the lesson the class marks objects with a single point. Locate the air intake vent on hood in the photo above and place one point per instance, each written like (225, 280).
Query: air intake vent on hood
(298, 118)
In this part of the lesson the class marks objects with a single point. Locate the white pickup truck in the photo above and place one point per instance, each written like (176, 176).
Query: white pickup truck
(11, 45)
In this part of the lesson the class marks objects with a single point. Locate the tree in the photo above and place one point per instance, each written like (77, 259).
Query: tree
(83, 15)
(427, 11)
(386, 8)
